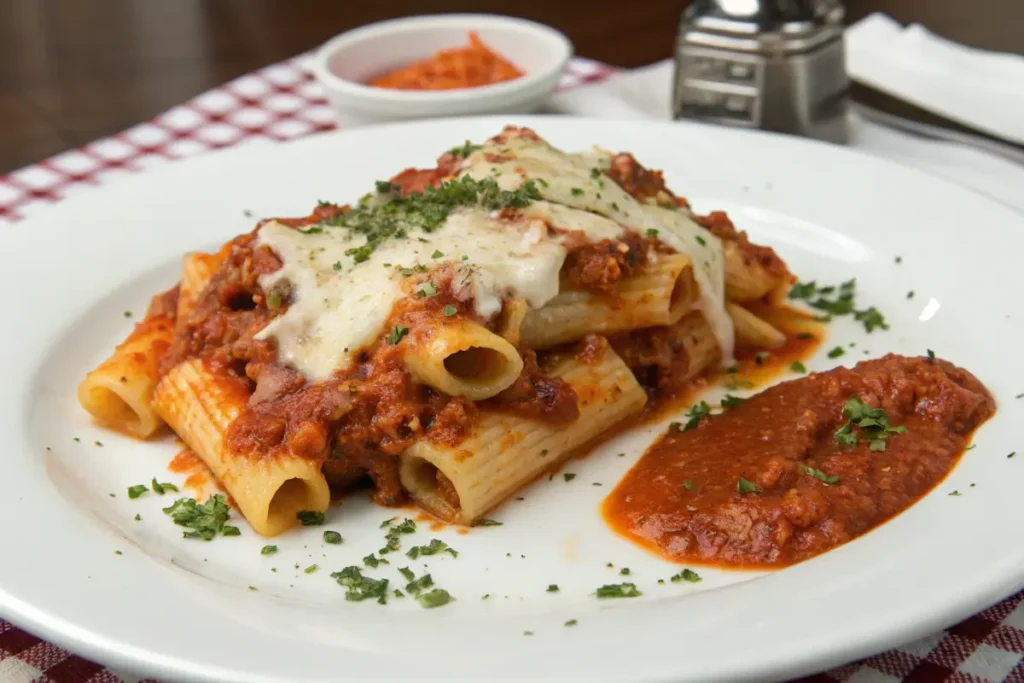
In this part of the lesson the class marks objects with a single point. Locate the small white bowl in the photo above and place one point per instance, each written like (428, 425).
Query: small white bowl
(347, 62)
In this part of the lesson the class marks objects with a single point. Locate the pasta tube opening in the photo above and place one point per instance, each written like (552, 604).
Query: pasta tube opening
(293, 496)
(465, 359)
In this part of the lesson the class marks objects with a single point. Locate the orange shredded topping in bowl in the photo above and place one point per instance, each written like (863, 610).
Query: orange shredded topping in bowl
(461, 67)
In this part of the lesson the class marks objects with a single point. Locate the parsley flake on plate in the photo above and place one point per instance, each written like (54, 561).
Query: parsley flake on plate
(618, 590)
(205, 520)
(310, 517)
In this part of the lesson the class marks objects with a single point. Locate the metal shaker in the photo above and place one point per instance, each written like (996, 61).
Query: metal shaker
(775, 65)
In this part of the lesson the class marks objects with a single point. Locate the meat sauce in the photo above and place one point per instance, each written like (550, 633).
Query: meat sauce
(768, 483)
(358, 422)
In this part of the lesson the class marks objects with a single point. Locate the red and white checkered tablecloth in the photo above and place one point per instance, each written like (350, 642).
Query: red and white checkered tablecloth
(282, 102)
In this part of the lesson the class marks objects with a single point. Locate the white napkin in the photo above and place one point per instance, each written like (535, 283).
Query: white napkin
(984, 90)
(645, 93)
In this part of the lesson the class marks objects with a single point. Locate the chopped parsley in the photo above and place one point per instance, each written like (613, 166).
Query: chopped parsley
(449, 310)
(137, 490)
(359, 587)
(797, 366)
(652, 232)
(437, 254)
(688, 485)
(393, 536)
(954, 493)
(486, 522)
(310, 569)
(730, 401)
(160, 489)
(910, 294)
(569, 476)
(1011, 454)
(828, 480)
(407, 573)
(745, 486)
(206, 520)
(332, 537)
(417, 586)
(571, 622)
(427, 289)
(931, 356)
(872, 422)
(435, 598)
(701, 241)
(696, 414)
(371, 561)
(396, 334)
(268, 550)
(464, 150)
(310, 517)
(624, 571)
(389, 214)
(576, 192)
(595, 173)
(837, 352)
(687, 575)
(434, 547)
(618, 590)
(833, 301)
(553, 588)
(138, 517)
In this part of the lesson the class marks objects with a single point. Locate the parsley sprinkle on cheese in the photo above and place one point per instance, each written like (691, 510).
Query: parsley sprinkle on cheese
(652, 232)
(576, 192)
(437, 254)
(449, 310)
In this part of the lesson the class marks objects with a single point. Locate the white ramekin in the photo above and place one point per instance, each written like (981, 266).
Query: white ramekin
(346, 62)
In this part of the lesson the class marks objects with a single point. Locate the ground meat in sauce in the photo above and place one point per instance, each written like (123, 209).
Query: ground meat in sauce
(641, 183)
(682, 499)
(721, 226)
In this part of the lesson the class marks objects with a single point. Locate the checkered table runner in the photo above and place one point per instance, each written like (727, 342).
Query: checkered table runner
(282, 102)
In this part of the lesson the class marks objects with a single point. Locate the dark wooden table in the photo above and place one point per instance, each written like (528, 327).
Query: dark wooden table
(75, 70)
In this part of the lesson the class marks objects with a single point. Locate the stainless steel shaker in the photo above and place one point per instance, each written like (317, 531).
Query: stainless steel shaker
(776, 65)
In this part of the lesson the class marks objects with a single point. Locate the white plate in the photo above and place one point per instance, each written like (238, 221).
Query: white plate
(181, 609)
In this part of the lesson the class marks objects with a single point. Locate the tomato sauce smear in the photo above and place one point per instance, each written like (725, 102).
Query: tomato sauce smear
(767, 483)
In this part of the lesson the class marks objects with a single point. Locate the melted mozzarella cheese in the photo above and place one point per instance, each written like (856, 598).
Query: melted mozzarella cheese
(339, 306)
(569, 181)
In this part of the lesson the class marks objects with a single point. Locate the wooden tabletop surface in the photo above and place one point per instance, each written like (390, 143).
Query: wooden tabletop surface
(75, 70)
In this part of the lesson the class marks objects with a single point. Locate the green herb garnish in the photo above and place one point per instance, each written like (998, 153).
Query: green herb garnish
(310, 517)
(696, 414)
(449, 310)
(435, 598)
(268, 550)
(872, 422)
(797, 366)
(487, 522)
(730, 401)
(745, 486)
(359, 587)
(618, 590)
(837, 352)
(687, 575)
(206, 520)
(137, 490)
(434, 547)
(332, 537)
(396, 334)
(828, 480)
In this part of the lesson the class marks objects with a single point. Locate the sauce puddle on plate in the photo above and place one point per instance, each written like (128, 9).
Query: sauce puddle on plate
(802, 467)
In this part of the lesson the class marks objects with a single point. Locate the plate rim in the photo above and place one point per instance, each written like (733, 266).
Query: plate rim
(67, 634)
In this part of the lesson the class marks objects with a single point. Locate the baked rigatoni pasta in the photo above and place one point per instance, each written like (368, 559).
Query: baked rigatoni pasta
(449, 337)
(119, 393)
(200, 406)
(502, 452)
